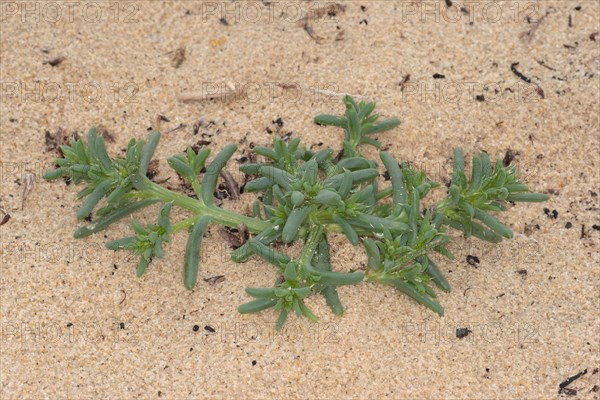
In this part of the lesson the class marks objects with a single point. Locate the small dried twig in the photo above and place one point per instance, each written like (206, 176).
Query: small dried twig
(543, 64)
(213, 280)
(320, 91)
(178, 57)
(403, 82)
(311, 32)
(198, 125)
(315, 14)
(5, 217)
(124, 297)
(528, 35)
(231, 185)
(53, 142)
(243, 231)
(177, 128)
(225, 94)
(29, 180)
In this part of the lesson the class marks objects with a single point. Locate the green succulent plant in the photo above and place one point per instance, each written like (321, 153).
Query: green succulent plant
(302, 196)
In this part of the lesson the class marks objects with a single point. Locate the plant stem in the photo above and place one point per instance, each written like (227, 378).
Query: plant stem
(218, 215)
(375, 275)
(311, 244)
(184, 224)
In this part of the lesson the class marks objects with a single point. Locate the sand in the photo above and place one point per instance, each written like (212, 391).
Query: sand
(77, 324)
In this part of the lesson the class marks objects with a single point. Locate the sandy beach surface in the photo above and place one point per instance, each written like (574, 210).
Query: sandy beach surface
(516, 77)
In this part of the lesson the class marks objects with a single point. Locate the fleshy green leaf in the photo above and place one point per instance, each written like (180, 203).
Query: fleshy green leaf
(256, 306)
(192, 252)
(105, 221)
(293, 223)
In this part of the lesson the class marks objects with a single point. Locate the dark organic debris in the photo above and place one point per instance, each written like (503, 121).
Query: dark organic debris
(462, 332)
(55, 61)
(513, 68)
(562, 388)
(213, 280)
(5, 218)
(152, 169)
(243, 231)
(403, 82)
(53, 142)
(509, 156)
(233, 188)
(567, 391)
(473, 260)
(178, 57)
(540, 91)
(278, 121)
(550, 214)
(200, 144)
(230, 236)
(438, 76)
(104, 132)
(221, 193)
(198, 125)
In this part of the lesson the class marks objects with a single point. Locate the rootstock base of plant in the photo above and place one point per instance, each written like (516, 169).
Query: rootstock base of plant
(301, 196)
